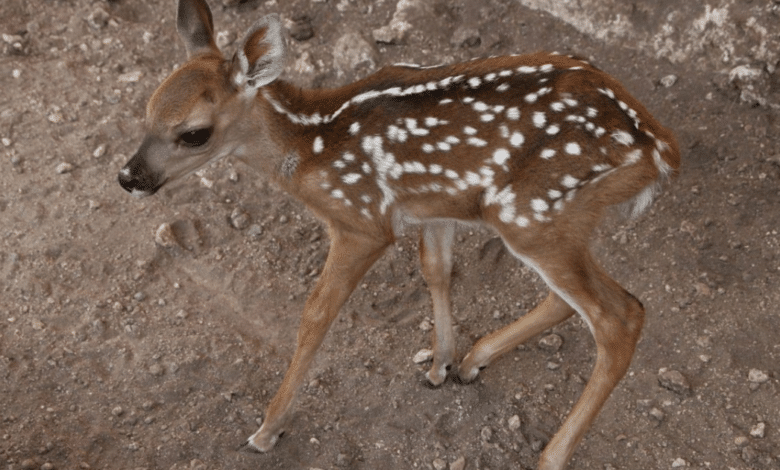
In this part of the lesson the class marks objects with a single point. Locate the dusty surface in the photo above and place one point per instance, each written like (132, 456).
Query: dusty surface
(119, 353)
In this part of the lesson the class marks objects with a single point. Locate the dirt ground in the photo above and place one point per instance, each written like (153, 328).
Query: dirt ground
(117, 352)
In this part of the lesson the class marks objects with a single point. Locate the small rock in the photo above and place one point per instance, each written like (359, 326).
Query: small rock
(679, 462)
(47, 466)
(657, 414)
(425, 325)
(37, 324)
(486, 434)
(239, 219)
(757, 376)
(165, 237)
(466, 37)
(28, 464)
(117, 411)
(674, 380)
(64, 167)
(98, 19)
(551, 343)
(6, 142)
(439, 464)
(99, 151)
(139, 296)
(301, 28)
(514, 423)
(255, 231)
(669, 81)
(741, 441)
(423, 355)
(758, 430)
(459, 464)
(226, 38)
(130, 77)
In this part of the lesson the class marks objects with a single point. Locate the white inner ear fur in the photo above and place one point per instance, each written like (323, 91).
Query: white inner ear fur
(270, 65)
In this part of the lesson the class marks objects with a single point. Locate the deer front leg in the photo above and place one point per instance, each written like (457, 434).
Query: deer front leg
(436, 259)
(350, 256)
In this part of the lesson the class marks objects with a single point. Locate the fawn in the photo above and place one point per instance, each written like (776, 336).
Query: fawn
(534, 146)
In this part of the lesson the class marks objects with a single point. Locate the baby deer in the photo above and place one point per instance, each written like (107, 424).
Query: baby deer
(534, 146)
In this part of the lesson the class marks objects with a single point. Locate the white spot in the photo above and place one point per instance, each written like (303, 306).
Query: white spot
(623, 106)
(473, 179)
(476, 142)
(337, 193)
(480, 107)
(573, 148)
(431, 86)
(503, 87)
(539, 205)
(546, 68)
(319, 145)
(531, 98)
(348, 157)
(435, 169)
(468, 99)
(623, 137)
(339, 164)
(504, 131)
(505, 73)
(527, 69)
(445, 101)
(474, 82)
(487, 117)
(411, 123)
(351, 178)
(451, 174)
(517, 139)
(600, 132)
(592, 112)
(444, 146)
(468, 130)
(570, 102)
(554, 194)
(414, 167)
(569, 181)
(498, 108)
(633, 157)
(354, 128)
(366, 198)
(554, 129)
(419, 131)
(365, 213)
(548, 153)
(540, 119)
(507, 214)
(501, 156)
(522, 221)
(557, 106)
(513, 113)
(428, 148)
(366, 168)
(601, 167)
(490, 77)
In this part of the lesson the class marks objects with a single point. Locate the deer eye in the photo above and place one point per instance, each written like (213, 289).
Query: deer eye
(195, 138)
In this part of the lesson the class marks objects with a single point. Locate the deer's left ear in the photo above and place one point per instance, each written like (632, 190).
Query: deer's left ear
(262, 55)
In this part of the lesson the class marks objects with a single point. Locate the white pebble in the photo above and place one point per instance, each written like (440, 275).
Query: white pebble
(423, 355)
(514, 423)
(757, 376)
(758, 430)
(64, 167)
(679, 462)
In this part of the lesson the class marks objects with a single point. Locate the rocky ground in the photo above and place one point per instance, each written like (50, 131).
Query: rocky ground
(126, 347)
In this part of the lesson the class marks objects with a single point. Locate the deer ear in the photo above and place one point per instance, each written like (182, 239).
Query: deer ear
(261, 57)
(196, 27)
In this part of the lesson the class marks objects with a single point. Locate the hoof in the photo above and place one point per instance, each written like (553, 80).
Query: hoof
(462, 378)
(436, 383)
(258, 442)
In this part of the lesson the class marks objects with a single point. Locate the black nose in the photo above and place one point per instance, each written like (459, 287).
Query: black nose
(140, 185)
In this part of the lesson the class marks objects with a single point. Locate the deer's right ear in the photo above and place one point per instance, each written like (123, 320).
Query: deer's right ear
(261, 57)
(196, 27)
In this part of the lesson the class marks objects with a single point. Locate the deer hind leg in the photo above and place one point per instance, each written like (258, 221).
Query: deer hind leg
(436, 259)
(615, 318)
(547, 314)
(349, 257)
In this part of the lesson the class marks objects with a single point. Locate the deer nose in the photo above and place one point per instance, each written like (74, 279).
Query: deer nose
(139, 185)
